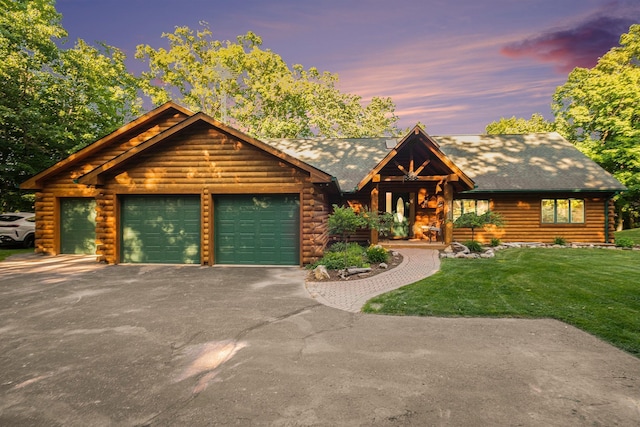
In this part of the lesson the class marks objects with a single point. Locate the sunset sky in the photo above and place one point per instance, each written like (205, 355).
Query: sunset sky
(454, 65)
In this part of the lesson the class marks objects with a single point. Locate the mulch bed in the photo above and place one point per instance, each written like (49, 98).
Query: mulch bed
(395, 259)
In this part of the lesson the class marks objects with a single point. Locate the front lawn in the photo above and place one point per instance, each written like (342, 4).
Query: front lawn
(7, 252)
(596, 290)
(633, 234)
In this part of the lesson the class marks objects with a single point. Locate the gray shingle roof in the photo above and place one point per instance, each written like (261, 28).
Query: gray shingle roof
(542, 161)
(348, 160)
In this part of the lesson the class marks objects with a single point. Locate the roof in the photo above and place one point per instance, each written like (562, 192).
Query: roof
(531, 162)
(494, 163)
(94, 176)
(132, 127)
(347, 159)
(509, 163)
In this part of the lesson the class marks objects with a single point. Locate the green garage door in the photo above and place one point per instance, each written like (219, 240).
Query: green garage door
(78, 226)
(160, 229)
(262, 230)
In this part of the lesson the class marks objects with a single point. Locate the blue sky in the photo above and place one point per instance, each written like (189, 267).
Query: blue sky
(454, 65)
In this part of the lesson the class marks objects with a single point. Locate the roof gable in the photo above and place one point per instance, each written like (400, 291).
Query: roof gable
(95, 176)
(139, 127)
(355, 161)
(417, 157)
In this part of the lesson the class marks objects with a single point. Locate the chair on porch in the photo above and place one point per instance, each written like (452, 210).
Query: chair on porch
(433, 232)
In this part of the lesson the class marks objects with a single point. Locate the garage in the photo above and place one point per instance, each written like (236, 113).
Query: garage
(160, 229)
(257, 230)
(77, 226)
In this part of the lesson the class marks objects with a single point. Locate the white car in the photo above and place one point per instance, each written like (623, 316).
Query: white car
(18, 228)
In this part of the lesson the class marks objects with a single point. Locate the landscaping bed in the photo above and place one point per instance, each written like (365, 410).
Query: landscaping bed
(356, 258)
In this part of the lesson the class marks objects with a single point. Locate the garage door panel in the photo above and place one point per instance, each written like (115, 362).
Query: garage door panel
(78, 226)
(260, 230)
(161, 229)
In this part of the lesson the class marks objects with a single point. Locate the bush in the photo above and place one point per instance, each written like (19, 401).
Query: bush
(473, 245)
(337, 247)
(341, 255)
(624, 242)
(377, 254)
(559, 240)
(495, 242)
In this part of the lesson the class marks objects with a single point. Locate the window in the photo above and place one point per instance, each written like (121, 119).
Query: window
(563, 211)
(463, 206)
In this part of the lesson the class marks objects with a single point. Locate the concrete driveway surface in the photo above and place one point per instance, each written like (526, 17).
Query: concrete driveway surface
(85, 344)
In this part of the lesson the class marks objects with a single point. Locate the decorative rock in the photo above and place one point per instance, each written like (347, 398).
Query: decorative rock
(459, 247)
(383, 265)
(321, 272)
(355, 270)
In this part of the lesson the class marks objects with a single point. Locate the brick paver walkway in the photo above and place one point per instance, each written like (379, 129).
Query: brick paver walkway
(351, 295)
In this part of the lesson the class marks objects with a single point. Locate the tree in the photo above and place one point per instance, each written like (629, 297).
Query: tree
(345, 221)
(512, 126)
(472, 220)
(255, 91)
(52, 100)
(598, 110)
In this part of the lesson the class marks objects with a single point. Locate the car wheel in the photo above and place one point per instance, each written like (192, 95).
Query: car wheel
(29, 241)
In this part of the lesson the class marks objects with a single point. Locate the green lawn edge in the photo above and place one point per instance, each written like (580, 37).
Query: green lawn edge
(632, 233)
(595, 290)
(7, 252)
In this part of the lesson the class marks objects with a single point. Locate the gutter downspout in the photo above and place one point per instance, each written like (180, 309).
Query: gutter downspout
(606, 219)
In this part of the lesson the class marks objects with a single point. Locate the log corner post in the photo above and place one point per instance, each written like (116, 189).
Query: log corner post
(374, 208)
(448, 211)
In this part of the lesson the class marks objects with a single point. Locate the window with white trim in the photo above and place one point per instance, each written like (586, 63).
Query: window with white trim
(463, 206)
(562, 211)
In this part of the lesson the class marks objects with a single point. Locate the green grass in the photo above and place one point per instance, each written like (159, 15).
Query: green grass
(4, 253)
(633, 234)
(596, 290)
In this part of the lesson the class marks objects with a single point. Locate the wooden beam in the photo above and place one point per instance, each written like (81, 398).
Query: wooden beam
(374, 208)
(448, 210)
(429, 178)
(422, 166)
(433, 178)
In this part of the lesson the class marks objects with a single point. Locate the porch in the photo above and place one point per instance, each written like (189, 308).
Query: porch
(412, 244)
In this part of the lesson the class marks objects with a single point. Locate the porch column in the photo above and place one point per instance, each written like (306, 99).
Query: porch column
(448, 209)
(374, 208)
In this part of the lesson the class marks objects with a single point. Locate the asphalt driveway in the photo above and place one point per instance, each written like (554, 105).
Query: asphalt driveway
(88, 344)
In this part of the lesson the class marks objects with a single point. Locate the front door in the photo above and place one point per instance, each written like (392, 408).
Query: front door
(399, 205)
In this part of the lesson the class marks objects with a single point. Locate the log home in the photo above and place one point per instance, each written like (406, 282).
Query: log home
(175, 186)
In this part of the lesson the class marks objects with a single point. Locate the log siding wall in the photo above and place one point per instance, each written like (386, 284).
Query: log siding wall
(62, 185)
(522, 216)
(315, 234)
(204, 161)
(199, 161)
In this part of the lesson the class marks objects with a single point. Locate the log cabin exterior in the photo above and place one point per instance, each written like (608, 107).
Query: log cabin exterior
(175, 186)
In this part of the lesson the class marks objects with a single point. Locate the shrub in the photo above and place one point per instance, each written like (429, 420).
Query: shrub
(559, 240)
(624, 242)
(473, 245)
(495, 242)
(472, 220)
(341, 256)
(377, 254)
(337, 247)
